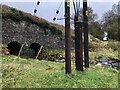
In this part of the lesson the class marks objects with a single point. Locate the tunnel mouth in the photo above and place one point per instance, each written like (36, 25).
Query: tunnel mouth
(14, 47)
(35, 47)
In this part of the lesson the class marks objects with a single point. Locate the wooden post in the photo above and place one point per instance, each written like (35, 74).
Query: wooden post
(67, 38)
(78, 45)
(85, 24)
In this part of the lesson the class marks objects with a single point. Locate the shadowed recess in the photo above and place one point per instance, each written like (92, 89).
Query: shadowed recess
(14, 47)
(35, 47)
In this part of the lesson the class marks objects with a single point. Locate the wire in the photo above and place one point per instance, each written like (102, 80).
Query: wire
(78, 8)
(60, 5)
(79, 3)
(58, 10)
(36, 7)
(74, 6)
(79, 12)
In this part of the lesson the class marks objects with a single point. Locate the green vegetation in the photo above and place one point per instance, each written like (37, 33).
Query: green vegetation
(99, 49)
(52, 55)
(13, 10)
(18, 16)
(30, 73)
(104, 53)
(113, 44)
(111, 22)
(55, 31)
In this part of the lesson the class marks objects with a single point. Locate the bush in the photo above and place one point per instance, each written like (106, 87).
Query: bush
(13, 10)
(113, 45)
(51, 55)
(21, 13)
(55, 31)
(45, 25)
(13, 16)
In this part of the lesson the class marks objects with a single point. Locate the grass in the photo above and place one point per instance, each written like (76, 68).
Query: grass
(103, 53)
(30, 73)
(108, 49)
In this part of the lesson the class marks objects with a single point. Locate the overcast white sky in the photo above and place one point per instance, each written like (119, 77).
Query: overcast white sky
(47, 8)
(56, 0)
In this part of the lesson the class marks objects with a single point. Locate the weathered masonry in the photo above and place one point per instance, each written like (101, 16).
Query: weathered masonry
(14, 34)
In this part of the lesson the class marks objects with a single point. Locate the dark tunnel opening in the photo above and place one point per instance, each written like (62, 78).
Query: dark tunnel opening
(36, 48)
(14, 47)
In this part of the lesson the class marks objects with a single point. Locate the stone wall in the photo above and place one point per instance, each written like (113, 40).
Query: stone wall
(30, 33)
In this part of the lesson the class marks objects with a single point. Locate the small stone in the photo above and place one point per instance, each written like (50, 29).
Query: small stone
(98, 65)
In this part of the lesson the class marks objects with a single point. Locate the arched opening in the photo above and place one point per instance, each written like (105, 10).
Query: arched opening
(35, 47)
(14, 47)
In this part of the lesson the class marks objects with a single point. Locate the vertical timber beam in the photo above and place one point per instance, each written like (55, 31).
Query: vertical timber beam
(67, 38)
(85, 24)
(118, 10)
(78, 44)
